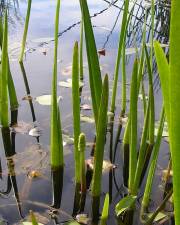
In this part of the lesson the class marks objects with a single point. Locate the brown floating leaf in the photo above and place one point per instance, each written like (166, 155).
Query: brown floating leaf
(22, 127)
(107, 165)
(102, 52)
(27, 98)
(82, 218)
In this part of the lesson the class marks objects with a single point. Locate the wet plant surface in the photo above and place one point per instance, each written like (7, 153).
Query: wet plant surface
(27, 179)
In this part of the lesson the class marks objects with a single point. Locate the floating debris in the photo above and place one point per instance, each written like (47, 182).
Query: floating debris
(46, 99)
(68, 83)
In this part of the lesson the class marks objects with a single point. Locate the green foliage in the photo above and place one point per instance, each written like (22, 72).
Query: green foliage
(56, 133)
(105, 211)
(25, 31)
(125, 204)
(100, 139)
(76, 110)
(93, 61)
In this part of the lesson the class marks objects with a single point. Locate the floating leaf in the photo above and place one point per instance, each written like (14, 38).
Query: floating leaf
(86, 107)
(35, 132)
(27, 98)
(107, 165)
(67, 71)
(87, 119)
(102, 52)
(22, 127)
(68, 83)
(124, 204)
(82, 218)
(46, 99)
(67, 140)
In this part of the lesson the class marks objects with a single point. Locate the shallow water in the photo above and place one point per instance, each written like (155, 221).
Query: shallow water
(32, 153)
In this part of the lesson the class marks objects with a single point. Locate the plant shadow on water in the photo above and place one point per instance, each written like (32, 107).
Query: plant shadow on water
(27, 180)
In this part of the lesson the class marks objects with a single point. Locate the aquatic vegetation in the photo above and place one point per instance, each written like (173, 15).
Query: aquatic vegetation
(57, 159)
(137, 134)
(25, 30)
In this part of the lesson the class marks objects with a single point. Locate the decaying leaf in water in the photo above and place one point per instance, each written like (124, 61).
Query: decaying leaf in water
(27, 98)
(82, 218)
(32, 159)
(87, 119)
(34, 174)
(68, 83)
(35, 132)
(67, 71)
(102, 52)
(123, 121)
(107, 165)
(67, 140)
(22, 127)
(46, 99)
(86, 107)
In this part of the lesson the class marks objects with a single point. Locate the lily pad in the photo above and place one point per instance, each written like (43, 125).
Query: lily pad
(46, 99)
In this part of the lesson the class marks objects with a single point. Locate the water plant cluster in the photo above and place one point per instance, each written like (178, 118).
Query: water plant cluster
(140, 149)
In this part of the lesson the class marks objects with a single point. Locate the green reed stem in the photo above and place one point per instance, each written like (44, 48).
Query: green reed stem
(93, 61)
(100, 140)
(133, 128)
(25, 31)
(118, 59)
(81, 50)
(33, 218)
(142, 150)
(81, 147)
(4, 76)
(56, 133)
(76, 110)
(153, 163)
(105, 211)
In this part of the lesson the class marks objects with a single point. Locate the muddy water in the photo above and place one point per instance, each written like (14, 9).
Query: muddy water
(28, 185)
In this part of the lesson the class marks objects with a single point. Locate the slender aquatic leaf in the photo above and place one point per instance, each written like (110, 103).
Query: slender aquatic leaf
(76, 110)
(120, 46)
(4, 76)
(100, 140)
(56, 141)
(125, 204)
(174, 96)
(163, 69)
(153, 163)
(105, 211)
(25, 30)
(93, 61)
(133, 128)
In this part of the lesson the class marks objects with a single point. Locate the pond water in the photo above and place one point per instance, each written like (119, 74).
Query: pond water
(21, 190)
